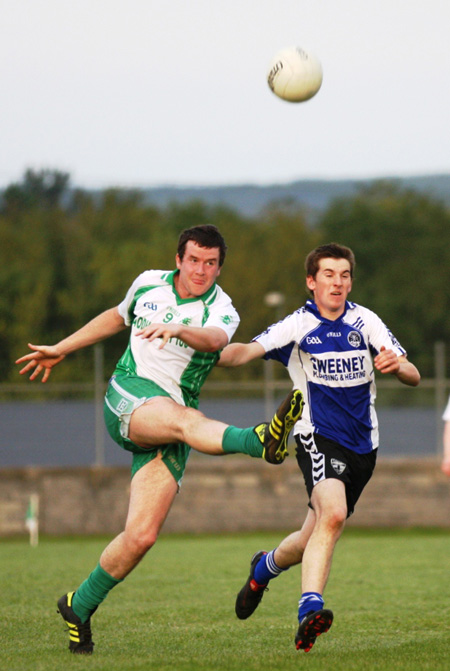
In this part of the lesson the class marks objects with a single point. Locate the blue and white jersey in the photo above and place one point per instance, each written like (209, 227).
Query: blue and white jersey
(331, 362)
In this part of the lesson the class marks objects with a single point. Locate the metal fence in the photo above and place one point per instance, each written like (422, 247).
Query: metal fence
(268, 389)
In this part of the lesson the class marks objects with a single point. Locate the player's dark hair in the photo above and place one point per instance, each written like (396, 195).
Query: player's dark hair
(334, 251)
(205, 235)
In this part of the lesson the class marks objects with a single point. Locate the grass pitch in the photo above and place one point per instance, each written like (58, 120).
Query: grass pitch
(389, 590)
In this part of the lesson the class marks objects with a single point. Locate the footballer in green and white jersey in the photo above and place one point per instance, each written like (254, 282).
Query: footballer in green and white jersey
(179, 369)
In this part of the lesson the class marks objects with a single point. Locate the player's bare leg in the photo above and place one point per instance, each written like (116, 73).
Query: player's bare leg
(330, 512)
(152, 492)
(291, 549)
(287, 554)
(161, 421)
(330, 507)
(153, 489)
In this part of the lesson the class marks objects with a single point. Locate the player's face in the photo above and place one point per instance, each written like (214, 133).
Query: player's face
(331, 286)
(198, 268)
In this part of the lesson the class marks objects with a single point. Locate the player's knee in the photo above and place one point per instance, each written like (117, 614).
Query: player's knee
(335, 518)
(140, 542)
(332, 518)
(189, 421)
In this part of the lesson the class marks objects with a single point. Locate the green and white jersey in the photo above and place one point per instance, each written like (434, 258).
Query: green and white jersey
(177, 368)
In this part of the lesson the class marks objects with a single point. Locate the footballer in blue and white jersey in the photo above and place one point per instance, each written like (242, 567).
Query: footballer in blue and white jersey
(331, 362)
(331, 348)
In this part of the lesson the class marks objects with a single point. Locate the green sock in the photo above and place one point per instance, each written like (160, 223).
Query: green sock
(244, 441)
(92, 592)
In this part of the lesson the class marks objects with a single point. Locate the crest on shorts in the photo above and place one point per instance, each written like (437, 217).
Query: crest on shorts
(122, 405)
(338, 466)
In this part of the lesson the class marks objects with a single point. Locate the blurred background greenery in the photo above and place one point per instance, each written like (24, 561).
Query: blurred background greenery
(67, 254)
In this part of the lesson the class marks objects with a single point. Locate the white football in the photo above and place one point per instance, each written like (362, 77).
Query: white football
(295, 75)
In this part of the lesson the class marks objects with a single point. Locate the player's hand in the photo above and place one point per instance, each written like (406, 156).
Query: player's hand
(387, 361)
(162, 331)
(445, 467)
(42, 358)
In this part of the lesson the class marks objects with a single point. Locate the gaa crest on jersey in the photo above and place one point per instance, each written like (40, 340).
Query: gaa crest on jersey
(338, 466)
(227, 319)
(354, 339)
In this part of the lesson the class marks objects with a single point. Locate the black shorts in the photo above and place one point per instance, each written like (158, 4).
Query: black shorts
(320, 459)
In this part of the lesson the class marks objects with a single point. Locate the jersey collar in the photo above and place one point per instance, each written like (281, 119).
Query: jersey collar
(312, 307)
(171, 280)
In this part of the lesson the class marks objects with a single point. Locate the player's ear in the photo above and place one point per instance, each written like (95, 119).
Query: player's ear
(310, 282)
(351, 284)
(178, 261)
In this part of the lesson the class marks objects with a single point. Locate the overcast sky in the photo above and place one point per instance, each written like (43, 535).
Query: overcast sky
(147, 92)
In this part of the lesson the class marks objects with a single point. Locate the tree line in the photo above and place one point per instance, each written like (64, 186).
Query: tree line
(67, 255)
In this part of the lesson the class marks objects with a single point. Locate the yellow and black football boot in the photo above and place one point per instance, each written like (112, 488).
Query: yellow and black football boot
(275, 434)
(80, 634)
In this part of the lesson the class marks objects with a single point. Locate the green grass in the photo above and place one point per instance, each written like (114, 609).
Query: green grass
(389, 590)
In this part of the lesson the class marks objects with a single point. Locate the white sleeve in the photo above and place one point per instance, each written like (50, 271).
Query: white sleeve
(146, 278)
(446, 415)
(281, 333)
(380, 336)
(223, 315)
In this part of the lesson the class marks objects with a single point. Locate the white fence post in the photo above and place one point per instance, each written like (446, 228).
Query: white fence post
(440, 390)
(99, 394)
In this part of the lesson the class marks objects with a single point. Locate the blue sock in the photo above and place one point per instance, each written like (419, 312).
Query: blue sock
(266, 569)
(310, 602)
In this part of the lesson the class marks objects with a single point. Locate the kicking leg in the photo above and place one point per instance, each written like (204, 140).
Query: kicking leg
(161, 421)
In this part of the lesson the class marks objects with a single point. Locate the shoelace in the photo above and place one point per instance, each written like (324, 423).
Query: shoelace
(84, 631)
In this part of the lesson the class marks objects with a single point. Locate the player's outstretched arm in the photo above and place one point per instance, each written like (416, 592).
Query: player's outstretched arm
(388, 362)
(239, 353)
(202, 339)
(445, 466)
(44, 357)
